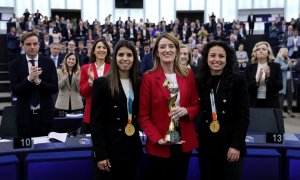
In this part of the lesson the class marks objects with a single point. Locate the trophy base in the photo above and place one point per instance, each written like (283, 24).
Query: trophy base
(172, 137)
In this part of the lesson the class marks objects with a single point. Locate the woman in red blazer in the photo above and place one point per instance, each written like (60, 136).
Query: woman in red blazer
(98, 66)
(166, 161)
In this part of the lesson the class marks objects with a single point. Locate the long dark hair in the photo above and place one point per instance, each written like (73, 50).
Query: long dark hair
(93, 56)
(113, 74)
(230, 70)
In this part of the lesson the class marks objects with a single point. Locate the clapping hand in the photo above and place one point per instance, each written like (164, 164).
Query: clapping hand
(91, 73)
(266, 70)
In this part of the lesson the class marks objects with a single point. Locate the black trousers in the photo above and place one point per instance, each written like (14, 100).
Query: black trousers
(214, 167)
(175, 167)
(36, 127)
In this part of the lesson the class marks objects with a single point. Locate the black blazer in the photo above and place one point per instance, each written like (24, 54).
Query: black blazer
(274, 85)
(22, 89)
(108, 120)
(233, 116)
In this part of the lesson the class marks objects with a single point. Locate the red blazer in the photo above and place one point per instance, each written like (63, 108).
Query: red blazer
(153, 117)
(86, 90)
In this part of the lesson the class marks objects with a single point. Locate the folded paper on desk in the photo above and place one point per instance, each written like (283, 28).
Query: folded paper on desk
(40, 140)
(74, 115)
(57, 137)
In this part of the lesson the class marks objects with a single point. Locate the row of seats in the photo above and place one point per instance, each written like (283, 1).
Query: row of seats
(77, 165)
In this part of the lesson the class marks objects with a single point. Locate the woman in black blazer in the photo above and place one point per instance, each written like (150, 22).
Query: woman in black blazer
(264, 78)
(115, 132)
(225, 114)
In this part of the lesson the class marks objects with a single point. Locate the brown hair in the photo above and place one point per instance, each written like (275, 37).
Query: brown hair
(93, 56)
(28, 35)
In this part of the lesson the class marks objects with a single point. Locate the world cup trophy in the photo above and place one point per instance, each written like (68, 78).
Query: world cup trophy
(173, 135)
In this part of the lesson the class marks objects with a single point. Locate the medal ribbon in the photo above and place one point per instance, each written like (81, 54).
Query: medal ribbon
(130, 106)
(213, 106)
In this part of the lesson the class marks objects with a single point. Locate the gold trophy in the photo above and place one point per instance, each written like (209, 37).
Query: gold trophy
(172, 135)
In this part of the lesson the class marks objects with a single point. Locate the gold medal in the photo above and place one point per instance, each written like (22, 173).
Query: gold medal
(214, 126)
(129, 130)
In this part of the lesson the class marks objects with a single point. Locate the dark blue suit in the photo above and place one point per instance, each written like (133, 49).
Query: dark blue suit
(12, 46)
(146, 64)
(22, 89)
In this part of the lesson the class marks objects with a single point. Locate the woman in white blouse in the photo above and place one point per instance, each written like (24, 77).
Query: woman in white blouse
(264, 77)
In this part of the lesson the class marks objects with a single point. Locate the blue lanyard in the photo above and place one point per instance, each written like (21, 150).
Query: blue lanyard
(130, 100)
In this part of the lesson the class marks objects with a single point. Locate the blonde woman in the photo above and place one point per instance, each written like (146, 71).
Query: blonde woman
(286, 65)
(264, 77)
(168, 77)
(69, 98)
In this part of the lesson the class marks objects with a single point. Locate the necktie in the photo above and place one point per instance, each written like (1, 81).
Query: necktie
(34, 100)
(55, 61)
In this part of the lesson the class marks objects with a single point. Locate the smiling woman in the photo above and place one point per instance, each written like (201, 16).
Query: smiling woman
(114, 110)
(225, 113)
(168, 107)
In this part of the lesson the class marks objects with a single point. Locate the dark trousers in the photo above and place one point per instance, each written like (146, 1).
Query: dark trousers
(250, 31)
(214, 167)
(175, 167)
(261, 103)
(36, 127)
(295, 55)
(119, 170)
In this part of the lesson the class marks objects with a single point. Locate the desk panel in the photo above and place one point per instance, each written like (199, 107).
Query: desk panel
(293, 164)
(59, 165)
(9, 167)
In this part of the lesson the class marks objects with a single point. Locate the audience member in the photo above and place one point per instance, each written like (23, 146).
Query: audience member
(69, 98)
(264, 77)
(33, 79)
(242, 57)
(98, 66)
(286, 66)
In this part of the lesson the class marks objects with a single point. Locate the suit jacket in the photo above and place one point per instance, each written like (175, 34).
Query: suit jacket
(232, 107)
(284, 70)
(153, 117)
(146, 64)
(290, 44)
(86, 90)
(251, 23)
(12, 42)
(109, 118)
(68, 92)
(59, 60)
(22, 88)
(274, 85)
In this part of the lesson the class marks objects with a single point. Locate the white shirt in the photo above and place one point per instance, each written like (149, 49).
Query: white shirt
(100, 70)
(262, 88)
(55, 60)
(126, 87)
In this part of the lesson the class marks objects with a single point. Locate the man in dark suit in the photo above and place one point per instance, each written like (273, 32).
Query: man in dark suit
(251, 20)
(55, 56)
(12, 44)
(146, 64)
(33, 80)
